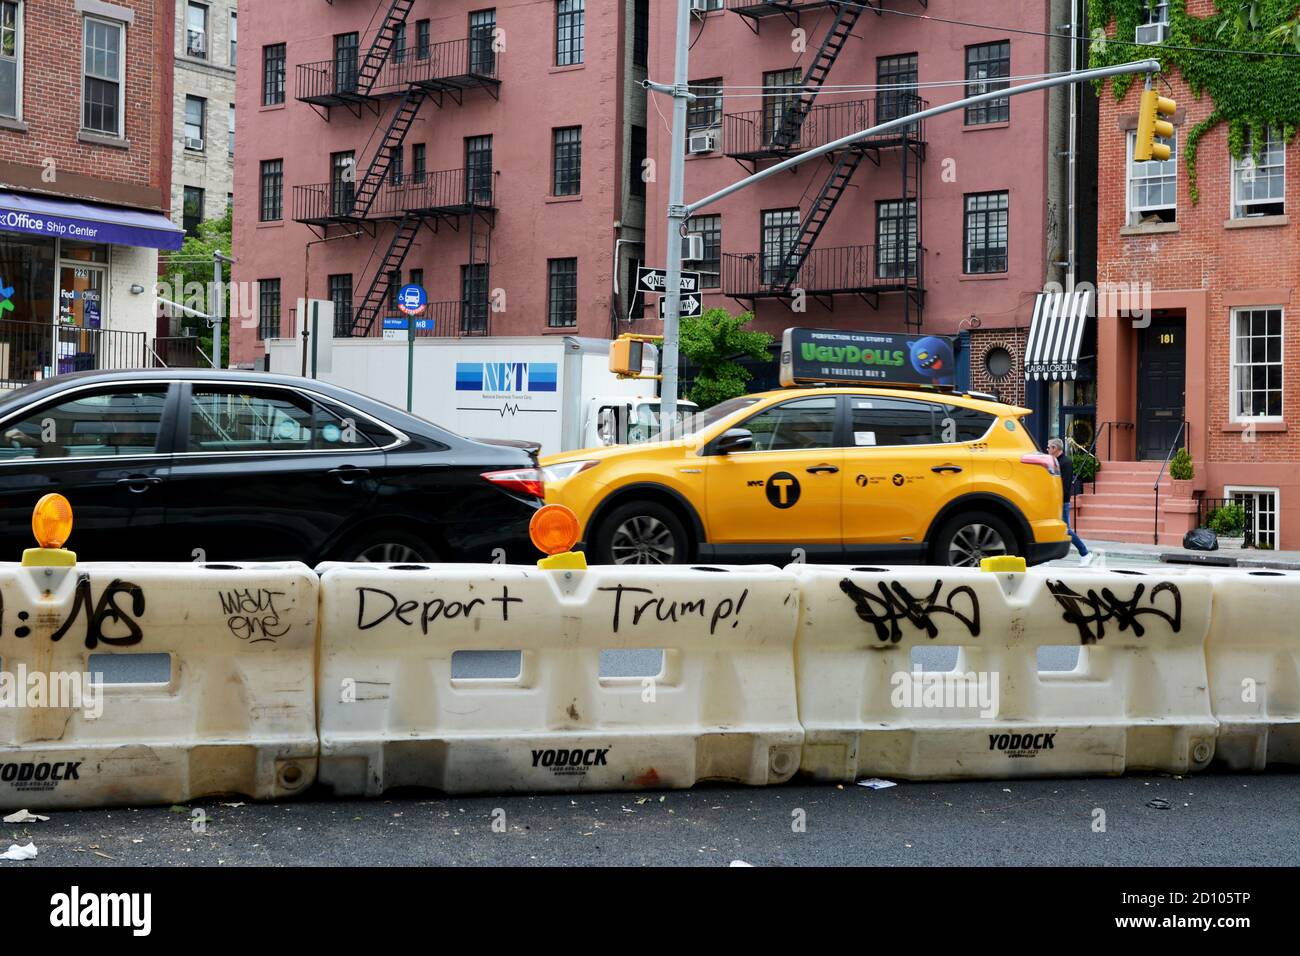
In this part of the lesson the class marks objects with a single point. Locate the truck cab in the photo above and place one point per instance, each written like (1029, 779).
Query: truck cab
(625, 420)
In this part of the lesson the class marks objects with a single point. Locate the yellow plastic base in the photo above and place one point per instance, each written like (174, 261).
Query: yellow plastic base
(566, 561)
(1004, 562)
(49, 558)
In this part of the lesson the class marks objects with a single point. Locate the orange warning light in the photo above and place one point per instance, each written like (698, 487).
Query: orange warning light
(554, 529)
(52, 521)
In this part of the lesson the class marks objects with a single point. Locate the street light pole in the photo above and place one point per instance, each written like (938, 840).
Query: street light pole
(676, 216)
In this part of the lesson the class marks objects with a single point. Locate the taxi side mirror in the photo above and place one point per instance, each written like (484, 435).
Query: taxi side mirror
(733, 440)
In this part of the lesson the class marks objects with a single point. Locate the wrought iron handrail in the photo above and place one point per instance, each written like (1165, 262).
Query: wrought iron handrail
(1155, 525)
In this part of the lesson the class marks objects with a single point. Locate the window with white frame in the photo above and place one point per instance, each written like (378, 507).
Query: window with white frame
(1153, 22)
(196, 30)
(11, 59)
(1265, 509)
(1259, 177)
(1256, 364)
(230, 132)
(195, 108)
(234, 37)
(102, 76)
(1152, 186)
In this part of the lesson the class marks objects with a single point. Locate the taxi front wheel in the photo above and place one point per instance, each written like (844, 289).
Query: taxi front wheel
(966, 539)
(641, 532)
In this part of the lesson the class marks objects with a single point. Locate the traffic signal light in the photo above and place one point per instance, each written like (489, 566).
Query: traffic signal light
(626, 356)
(1152, 125)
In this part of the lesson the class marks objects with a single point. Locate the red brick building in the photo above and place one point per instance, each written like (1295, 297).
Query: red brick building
(85, 181)
(1222, 345)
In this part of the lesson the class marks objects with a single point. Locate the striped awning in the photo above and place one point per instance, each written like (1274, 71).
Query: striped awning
(1055, 334)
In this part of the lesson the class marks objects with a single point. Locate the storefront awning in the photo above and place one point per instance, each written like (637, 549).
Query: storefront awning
(1055, 334)
(87, 222)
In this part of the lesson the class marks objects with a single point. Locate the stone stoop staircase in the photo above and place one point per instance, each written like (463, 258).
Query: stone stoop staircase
(1121, 504)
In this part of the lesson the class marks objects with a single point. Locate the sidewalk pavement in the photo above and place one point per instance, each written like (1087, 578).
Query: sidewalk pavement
(1230, 557)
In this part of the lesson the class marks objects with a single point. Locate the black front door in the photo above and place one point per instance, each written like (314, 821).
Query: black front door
(1162, 372)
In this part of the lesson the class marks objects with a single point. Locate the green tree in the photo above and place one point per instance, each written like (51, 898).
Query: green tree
(712, 342)
(187, 274)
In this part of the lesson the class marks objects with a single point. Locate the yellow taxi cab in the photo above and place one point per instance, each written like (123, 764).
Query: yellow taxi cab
(891, 474)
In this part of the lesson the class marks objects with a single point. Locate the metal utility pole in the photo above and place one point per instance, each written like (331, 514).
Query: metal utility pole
(218, 305)
(676, 215)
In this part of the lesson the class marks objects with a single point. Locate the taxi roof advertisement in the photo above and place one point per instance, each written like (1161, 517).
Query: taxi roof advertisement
(866, 358)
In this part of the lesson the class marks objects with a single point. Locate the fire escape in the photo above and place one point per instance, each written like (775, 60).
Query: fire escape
(461, 199)
(794, 123)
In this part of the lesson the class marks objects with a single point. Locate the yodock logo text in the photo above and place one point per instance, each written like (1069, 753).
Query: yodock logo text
(61, 689)
(571, 762)
(77, 909)
(946, 690)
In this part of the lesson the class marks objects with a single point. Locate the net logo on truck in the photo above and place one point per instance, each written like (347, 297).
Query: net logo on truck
(506, 377)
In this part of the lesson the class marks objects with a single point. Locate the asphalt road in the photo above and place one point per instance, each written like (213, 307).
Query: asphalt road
(1212, 820)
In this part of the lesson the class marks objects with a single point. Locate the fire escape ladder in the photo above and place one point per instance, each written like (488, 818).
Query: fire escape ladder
(793, 116)
(394, 136)
(379, 51)
(846, 164)
(364, 318)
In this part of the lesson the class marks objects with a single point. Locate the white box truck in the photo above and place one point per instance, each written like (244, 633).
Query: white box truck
(553, 391)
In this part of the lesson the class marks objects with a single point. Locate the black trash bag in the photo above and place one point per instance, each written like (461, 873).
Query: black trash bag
(1201, 539)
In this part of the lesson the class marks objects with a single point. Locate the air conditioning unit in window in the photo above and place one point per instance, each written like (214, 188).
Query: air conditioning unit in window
(1151, 33)
(692, 247)
(700, 6)
(194, 144)
(703, 142)
(197, 44)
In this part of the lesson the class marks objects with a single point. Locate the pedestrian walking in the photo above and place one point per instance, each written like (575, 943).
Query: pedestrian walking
(1065, 471)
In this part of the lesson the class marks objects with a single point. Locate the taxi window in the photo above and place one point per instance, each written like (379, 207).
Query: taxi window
(964, 424)
(882, 422)
(791, 426)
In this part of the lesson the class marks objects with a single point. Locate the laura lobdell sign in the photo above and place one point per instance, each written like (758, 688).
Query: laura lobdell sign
(871, 358)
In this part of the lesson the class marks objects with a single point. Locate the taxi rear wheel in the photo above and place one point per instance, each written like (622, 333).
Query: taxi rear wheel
(642, 532)
(968, 538)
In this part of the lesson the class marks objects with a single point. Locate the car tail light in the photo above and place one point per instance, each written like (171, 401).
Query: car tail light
(1046, 461)
(527, 481)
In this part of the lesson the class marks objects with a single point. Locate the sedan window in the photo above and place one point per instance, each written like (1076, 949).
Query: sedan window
(234, 420)
(109, 424)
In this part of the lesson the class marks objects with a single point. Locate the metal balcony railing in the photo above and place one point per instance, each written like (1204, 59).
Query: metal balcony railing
(447, 319)
(832, 271)
(450, 66)
(30, 351)
(449, 192)
(769, 8)
(757, 133)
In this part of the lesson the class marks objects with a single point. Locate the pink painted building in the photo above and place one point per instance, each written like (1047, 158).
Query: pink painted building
(481, 152)
(950, 226)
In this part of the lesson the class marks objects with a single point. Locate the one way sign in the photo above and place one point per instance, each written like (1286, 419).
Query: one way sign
(692, 305)
(656, 280)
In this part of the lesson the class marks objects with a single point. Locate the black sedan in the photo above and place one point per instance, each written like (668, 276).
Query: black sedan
(204, 465)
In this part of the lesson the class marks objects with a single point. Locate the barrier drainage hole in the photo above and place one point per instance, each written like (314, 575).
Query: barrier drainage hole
(291, 776)
(409, 567)
(223, 567)
(871, 570)
(1267, 574)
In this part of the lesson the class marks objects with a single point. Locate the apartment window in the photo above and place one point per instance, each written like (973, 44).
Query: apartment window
(482, 38)
(346, 46)
(637, 173)
(343, 186)
(985, 244)
(1153, 21)
(641, 33)
(230, 202)
(417, 277)
(988, 66)
(192, 210)
(1256, 364)
(195, 108)
(230, 132)
(1265, 508)
(272, 190)
(710, 267)
(234, 37)
(705, 112)
(418, 162)
(562, 292)
(273, 70)
(474, 297)
(341, 295)
(422, 39)
(102, 75)
(896, 239)
(781, 92)
(268, 312)
(1259, 181)
(1152, 186)
(780, 232)
(394, 287)
(196, 30)
(567, 166)
(478, 169)
(570, 31)
(396, 164)
(11, 59)
(895, 71)
(399, 43)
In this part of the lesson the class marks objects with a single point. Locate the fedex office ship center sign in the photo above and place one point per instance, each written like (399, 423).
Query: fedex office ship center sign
(517, 386)
(25, 222)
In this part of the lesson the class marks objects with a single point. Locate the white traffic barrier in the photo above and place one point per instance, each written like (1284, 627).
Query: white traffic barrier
(392, 712)
(1253, 657)
(1136, 698)
(229, 651)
